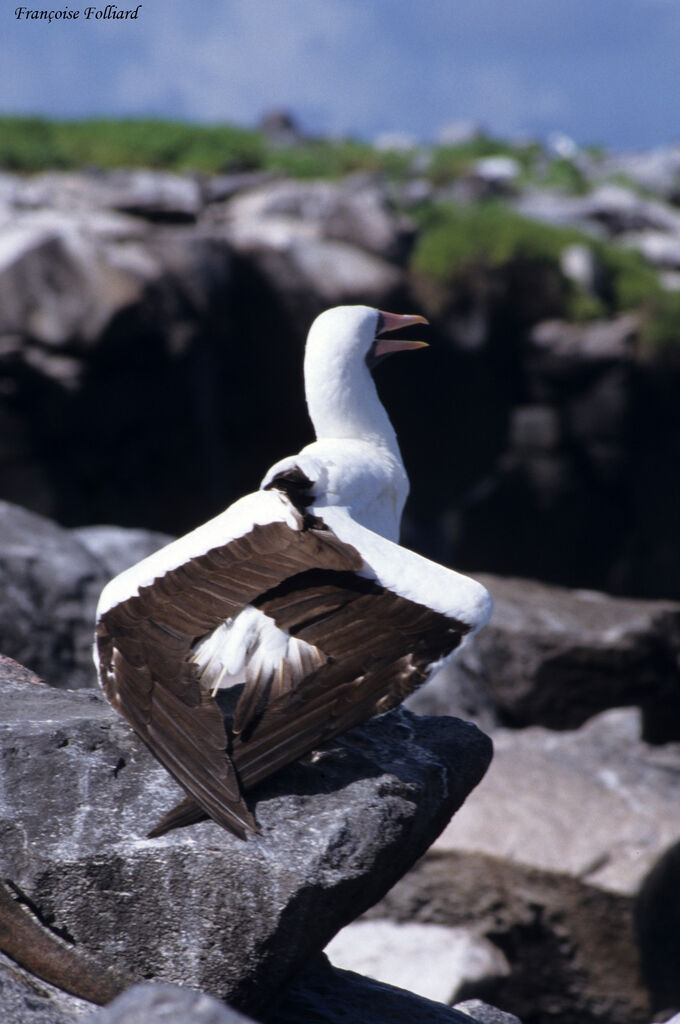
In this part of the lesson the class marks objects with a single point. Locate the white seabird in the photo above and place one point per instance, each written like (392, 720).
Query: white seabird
(300, 592)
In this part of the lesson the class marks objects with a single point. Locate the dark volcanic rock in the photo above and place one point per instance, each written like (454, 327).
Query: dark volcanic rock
(166, 1004)
(49, 586)
(554, 657)
(199, 907)
(657, 926)
(151, 334)
(321, 994)
(50, 581)
(326, 995)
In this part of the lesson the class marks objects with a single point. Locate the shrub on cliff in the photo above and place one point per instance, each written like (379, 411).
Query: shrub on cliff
(457, 239)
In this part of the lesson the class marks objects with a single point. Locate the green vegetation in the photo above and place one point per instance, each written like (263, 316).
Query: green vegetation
(34, 144)
(563, 175)
(449, 163)
(632, 282)
(458, 239)
(661, 325)
(454, 239)
(486, 234)
(325, 158)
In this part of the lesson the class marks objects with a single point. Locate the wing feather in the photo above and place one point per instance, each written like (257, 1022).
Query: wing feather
(380, 646)
(357, 649)
(144, 650)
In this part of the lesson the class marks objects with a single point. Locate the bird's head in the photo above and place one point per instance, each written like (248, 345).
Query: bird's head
(342, 345)
(353, 335)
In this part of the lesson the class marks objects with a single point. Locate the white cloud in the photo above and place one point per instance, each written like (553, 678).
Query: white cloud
(241, 61)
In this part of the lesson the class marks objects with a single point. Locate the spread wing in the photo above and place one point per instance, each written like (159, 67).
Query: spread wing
(379, 648)
(375, 646)
(144, 645)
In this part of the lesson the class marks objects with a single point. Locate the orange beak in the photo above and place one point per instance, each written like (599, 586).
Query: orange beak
(393, 322)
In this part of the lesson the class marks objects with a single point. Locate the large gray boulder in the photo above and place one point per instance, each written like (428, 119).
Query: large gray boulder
(200, 907)
(322, 994)
(150, 194)
(118, 547)
(64, 276)
(319, 244)
(25, 999)
(162, 1003)
(328, 995)
(434, 961)
(354, 211)
(50, 581)
(549, 861)
(554, 657)
(616, 809)
(49, 586)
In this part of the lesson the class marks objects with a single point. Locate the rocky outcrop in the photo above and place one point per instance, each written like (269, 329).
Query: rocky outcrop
(354, 211)
(323, 994)
(51, 580)
(25, 999)
(327, 995)
(156, 1003)
(151, 333)
(116, 548)
(199, 906)
(138, 312)
(49, 591)
(551, 860)
(555, 884)
(554, 657)
(434, 961)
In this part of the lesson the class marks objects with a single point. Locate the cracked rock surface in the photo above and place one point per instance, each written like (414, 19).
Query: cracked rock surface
(199, 907)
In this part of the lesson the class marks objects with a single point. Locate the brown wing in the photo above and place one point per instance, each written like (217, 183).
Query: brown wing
(144, 645)
(380, 647)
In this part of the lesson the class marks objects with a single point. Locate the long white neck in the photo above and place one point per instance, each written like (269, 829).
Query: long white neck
(343, 402)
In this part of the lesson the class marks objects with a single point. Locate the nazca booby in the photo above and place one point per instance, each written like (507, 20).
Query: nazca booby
(299, 591)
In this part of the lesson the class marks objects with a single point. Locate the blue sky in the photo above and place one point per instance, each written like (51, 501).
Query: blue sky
(605, 71)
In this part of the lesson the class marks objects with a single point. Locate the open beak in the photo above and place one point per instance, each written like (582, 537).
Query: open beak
(393, 322)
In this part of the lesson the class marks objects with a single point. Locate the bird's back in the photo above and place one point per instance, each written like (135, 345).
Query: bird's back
(366, 479)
